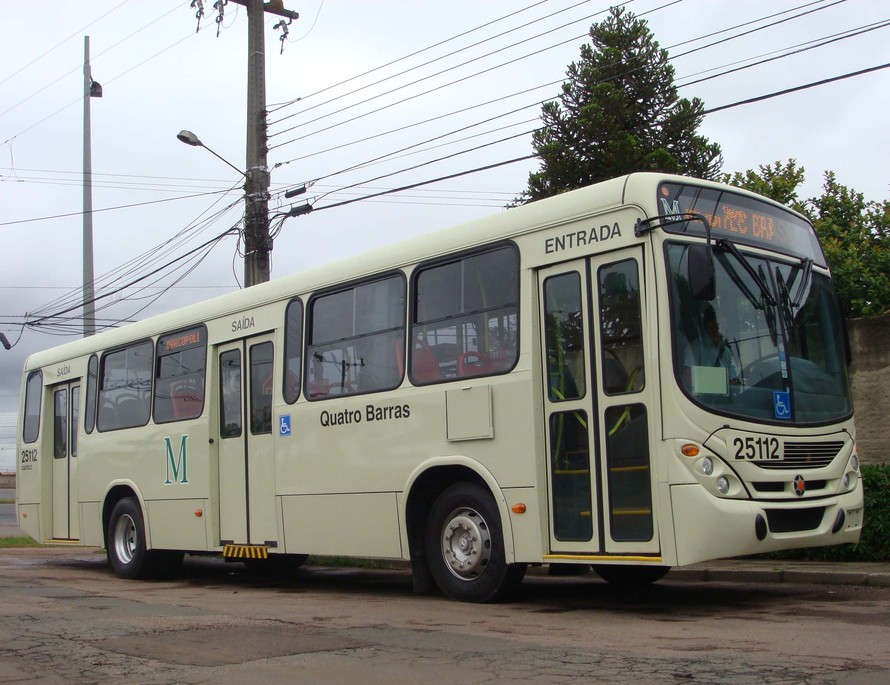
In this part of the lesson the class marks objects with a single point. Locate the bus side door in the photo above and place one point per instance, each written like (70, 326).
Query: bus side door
(247, 512)
(65, 412)
(595, 401)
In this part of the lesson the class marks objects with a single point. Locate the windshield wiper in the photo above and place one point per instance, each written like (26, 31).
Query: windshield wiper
(732, 249)
(806, 265)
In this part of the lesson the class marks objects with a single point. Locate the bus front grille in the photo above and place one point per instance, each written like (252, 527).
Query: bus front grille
(794, 520)
(805, 455)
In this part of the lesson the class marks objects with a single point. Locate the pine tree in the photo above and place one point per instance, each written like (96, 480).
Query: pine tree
(619, 113)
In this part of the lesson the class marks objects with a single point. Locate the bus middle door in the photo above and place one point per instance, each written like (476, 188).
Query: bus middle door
(247, 513)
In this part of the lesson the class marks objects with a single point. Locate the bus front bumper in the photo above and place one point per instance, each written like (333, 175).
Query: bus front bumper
(707, 527)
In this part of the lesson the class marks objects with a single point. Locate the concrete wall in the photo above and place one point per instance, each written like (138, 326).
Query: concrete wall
(870, 377)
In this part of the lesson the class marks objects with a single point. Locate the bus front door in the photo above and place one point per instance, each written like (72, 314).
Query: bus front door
(66, 401)
(596, 400)
(247, 513)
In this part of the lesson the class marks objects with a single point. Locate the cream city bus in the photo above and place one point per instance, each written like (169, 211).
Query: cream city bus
(644, 373)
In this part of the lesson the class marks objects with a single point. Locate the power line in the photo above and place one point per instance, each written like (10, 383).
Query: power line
(200, 247)
(275, 108)
(52, 83)
(786, 91)
(58, 45)
(427, 63)
(109, 209)
(536, 104)
(423, 183)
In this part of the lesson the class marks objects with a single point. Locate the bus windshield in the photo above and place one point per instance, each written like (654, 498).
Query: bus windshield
(769, 347)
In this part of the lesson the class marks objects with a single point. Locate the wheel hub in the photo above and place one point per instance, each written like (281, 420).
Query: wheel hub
(125, 538)
(466, 544)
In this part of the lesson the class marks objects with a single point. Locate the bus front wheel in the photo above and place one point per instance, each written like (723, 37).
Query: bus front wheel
(465, 546)
(125, 541)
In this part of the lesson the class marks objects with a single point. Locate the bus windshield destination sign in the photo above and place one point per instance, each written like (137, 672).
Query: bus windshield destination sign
(740, 219)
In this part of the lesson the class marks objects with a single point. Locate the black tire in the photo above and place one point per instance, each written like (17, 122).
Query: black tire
(464, 546)
(631, 576)
(125, 541)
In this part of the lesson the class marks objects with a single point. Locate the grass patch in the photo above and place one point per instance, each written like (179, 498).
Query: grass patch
(19, 541)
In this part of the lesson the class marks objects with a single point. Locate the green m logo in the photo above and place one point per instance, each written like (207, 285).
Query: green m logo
(178, 466)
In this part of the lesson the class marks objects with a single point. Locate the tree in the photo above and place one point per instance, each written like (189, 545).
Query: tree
(618, 113)
(855, 233)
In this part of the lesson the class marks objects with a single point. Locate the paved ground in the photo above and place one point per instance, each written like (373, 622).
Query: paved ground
(65, 620)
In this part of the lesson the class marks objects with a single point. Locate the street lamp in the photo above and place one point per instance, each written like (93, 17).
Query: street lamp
(190, 138)
(257, 243)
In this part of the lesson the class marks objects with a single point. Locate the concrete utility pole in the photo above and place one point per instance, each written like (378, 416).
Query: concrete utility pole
(256, 223)
(91, 89)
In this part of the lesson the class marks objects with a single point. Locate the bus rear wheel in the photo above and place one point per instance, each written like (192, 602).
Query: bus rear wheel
(125, 541)
(464, 546)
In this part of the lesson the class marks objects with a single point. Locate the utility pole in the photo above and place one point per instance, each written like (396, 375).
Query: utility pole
(91, 89)
(256, 190)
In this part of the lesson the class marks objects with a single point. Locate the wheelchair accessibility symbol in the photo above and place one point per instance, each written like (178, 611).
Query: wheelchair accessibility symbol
(782, 404)
(284, 425)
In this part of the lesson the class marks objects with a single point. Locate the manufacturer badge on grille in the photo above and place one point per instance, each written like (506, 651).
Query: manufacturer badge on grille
(800, 485)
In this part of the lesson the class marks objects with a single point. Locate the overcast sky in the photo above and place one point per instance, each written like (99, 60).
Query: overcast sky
(159, 76)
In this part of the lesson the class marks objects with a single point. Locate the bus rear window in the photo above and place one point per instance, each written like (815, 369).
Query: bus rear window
(33, 390)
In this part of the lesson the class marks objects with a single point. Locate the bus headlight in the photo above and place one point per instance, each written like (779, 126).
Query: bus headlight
(854, 462)
(722, 485)
(707, 466)
(846, 481)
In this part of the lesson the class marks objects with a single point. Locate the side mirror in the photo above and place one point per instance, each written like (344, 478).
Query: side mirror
(700, 272)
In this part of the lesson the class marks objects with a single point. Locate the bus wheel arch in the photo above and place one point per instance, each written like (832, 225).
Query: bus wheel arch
(465, 544)
(457, 483)
(125, 540)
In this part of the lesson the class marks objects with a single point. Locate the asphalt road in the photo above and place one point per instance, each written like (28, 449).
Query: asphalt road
(65, 619)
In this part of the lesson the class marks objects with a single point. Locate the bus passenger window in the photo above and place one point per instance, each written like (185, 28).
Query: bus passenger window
(565, 337)
(230, 394)
(261, 388)
(352, 334)
(179, 375)
(621, 328)
(92, 383)
(465, 317)
(293, 350)
(125, 387)
(33, 390)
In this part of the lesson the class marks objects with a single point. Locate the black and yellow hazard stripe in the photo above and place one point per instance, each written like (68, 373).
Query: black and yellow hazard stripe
(246, 552)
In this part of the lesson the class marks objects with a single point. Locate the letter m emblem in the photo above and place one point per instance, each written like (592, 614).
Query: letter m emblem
(177, 466)
(671, 211)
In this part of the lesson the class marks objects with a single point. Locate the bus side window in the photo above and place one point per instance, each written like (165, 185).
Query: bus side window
(33, 391)
(621, 328)
(179, 375)
(293, 350)
(465, 311)
(125, 377)
(89, 419)
(351, 337)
